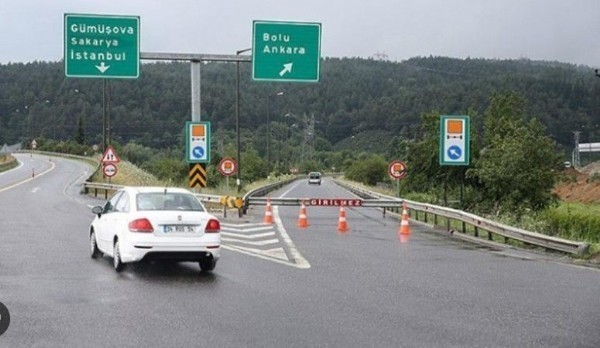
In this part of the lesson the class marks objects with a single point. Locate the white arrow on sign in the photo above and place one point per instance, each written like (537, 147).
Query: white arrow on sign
(454, 152)
(102, 67)
(286, 69)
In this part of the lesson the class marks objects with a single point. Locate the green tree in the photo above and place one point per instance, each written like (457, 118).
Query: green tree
(168, 168)
(253, 167)
(80, 136)
(137, 154)
(516, 167)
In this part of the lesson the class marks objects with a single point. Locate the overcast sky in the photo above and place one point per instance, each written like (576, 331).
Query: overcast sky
(558, 30)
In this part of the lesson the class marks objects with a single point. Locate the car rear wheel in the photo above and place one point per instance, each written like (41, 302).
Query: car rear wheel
(207, 265)
(94, 251)
(117, 263)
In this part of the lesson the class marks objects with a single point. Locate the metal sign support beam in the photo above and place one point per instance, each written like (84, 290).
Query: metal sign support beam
(195, 60)
(195, 80)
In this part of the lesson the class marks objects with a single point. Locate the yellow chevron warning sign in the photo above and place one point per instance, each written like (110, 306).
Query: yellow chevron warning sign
(197, 175)
(232, 202)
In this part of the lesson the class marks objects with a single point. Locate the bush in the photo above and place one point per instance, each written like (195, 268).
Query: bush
(369, 171)
(136, 153)
(573, 225)
(168, 168)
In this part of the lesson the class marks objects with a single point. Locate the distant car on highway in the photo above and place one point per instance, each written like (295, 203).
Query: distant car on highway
(155, 223)
(314, 178)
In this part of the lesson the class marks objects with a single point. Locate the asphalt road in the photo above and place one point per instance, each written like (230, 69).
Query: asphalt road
(277, 285)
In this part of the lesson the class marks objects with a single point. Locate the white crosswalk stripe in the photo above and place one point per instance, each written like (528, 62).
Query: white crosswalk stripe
(268, 242)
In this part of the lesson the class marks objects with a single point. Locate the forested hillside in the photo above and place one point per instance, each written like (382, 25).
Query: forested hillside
(370, 100)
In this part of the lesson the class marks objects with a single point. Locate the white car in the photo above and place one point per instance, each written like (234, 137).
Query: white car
(314, 178)
(155, 223)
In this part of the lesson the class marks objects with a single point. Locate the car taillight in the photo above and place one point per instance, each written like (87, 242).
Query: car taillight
(141, 225)
(213, 226)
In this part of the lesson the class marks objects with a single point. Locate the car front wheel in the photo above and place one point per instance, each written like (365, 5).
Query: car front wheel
(94, 251)
(117, 263)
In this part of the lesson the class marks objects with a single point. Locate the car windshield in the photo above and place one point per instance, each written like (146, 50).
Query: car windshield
(314, 175)
(168, 201)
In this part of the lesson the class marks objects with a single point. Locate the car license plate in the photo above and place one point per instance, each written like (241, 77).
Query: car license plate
(179, 229)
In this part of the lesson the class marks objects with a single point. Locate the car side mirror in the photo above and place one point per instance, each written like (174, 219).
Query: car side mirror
(97, 210)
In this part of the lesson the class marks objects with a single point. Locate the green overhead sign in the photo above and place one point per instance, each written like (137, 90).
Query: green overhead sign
(286, 51)
(102, 46)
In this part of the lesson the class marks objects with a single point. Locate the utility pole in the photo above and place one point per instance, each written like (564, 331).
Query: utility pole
(237, 120)
(576, 157)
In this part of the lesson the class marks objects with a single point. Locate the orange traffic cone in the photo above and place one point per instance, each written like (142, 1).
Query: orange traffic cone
(268, 212)
(302, 219)
(404, 228)
(342, 224)
(404, 238)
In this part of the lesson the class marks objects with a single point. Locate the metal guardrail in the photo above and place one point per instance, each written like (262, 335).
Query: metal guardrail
(92, 161)
(492, 227)
(251, 197)
(98, 187)
(107, 188)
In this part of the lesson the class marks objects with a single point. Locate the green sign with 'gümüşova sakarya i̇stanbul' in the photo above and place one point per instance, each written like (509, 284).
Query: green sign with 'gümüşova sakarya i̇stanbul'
(102, 46)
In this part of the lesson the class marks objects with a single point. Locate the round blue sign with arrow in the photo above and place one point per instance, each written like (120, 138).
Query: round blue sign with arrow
(198, 152)
(454, 152)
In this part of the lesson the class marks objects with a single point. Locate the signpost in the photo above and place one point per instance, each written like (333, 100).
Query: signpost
(110, 156)
(101, 46)
(109, 162)
(227, 166)
(398, 170)
(286, 51)
(454, 140)
(197, 142)
(109, 170)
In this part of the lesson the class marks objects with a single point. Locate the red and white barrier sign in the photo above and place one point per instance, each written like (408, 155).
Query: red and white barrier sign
(336, 202)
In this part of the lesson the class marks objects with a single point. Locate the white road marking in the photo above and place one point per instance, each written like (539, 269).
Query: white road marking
(276, 255)
(300, 261)
(15, 168)
(52, 166)
(242, 230)
(249, 236)
(257, 243)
